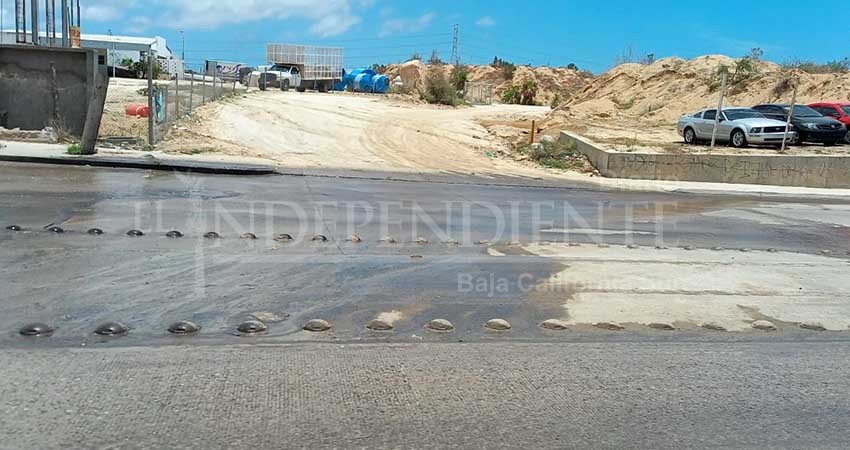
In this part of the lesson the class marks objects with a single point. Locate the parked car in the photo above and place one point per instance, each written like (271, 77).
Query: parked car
(811, 125)
(839, 111)
(738, 126)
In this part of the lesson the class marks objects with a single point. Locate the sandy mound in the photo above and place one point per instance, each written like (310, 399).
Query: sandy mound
(670, 87)
(551, 81)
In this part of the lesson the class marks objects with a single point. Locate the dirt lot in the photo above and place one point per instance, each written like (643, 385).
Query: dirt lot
(355, 131)
(115, 122)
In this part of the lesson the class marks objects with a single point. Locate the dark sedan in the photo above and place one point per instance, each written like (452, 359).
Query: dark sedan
(811, 125)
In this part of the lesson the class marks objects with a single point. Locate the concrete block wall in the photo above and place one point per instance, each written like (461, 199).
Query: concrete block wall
(57, 87)
(818, 171)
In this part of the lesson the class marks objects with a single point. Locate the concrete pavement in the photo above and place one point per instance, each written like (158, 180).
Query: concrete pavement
(635, 395)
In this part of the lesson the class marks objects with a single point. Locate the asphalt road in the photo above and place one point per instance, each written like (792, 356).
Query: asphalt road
(409, 388)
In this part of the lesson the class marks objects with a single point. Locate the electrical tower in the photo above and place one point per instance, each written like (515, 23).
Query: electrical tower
(455, 46)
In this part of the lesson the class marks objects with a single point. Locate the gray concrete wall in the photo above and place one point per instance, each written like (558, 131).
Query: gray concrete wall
(778, 170)
(56, 87)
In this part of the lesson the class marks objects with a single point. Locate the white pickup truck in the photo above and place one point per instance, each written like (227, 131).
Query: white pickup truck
(277, 76)
(300, 67)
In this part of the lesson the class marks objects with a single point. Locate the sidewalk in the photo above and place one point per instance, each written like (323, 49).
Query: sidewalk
(57, 154)
(211, 163)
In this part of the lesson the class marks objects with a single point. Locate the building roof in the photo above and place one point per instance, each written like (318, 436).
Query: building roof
(135, 43)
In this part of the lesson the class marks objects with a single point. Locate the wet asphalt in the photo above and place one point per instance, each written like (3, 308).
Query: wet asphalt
(351, 387)
(441, 236)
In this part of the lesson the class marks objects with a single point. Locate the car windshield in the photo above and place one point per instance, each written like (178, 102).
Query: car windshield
(803, 111)
(846, 109)
(738, 114)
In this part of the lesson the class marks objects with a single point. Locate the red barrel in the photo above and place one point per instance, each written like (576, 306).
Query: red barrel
(136, 109)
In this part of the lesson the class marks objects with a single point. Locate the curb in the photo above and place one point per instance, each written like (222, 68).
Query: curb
(147, 164)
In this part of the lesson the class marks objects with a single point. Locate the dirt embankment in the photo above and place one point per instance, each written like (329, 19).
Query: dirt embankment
(664, 90)
(552, 81)
(635, 107)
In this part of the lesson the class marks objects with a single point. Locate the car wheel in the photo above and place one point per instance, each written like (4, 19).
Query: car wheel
(284, 86)
(690, 136)
(799, 139)
(738, 139)
(847, 138)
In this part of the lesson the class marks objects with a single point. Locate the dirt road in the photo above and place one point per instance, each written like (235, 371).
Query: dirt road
(352, 131)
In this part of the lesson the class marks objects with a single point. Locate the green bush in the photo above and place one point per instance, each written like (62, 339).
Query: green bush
(141, 69)
(508, 68)
(524, 94)
(460, 75)
(555, 154)
(74, 149)
(511, 95)
(438, 90)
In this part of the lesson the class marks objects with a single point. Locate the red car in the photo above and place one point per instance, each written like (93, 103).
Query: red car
(839, 111)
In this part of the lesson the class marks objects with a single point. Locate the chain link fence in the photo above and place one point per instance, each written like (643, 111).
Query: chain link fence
(478, 92)
(181, 96)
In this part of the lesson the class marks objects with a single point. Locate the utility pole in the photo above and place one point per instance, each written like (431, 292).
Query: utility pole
(719, 112)
(113, 54)
(456, 45)
(182, 46)
(151, 103)
(788, 119)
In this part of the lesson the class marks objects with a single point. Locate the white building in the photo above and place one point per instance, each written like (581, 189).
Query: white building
(117, 48)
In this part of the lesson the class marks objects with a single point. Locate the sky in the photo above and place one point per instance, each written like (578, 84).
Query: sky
(545, 32)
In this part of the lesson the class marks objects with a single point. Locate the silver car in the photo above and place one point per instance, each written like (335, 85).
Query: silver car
(739, 127)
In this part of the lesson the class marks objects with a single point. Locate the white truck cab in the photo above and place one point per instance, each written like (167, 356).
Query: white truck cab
(281, 76)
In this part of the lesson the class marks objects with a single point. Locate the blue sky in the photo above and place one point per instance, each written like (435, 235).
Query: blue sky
(586, 33)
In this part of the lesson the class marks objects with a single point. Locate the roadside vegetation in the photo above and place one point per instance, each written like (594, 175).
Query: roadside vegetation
(521, 94)
(556, 155)
(74, 149)
(508, 68)
(836, 66)
(438, 90)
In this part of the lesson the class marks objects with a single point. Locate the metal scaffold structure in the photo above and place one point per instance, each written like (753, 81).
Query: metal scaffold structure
(70, 11)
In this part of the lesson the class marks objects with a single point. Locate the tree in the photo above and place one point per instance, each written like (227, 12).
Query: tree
(460, 75)
(435, 59)
(756, 54)
(572, 66)
(415, 57)
(438, 90)
(528, 92)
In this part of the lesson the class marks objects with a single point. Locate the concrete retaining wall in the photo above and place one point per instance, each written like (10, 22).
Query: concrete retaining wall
(57, 87)
(778, 170)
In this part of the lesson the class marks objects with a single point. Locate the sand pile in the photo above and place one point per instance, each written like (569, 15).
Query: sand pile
(551, 81)
(670, 87)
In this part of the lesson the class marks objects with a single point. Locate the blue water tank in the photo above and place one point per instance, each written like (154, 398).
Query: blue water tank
(380, 84)
(365, 80)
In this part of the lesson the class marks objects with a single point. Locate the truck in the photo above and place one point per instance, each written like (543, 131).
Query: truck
(301, 67)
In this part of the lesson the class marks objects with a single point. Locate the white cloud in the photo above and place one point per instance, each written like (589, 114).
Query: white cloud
(486, 21)
(394, 26)
(103, 10)
(139, 24)
(329, 17)
(333, 25)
